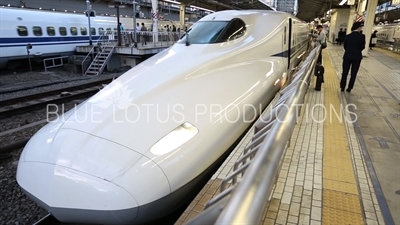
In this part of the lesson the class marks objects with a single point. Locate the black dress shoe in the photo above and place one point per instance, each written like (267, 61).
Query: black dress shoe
(348, 90)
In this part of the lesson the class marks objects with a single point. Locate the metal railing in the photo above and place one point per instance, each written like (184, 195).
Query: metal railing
(396, 45)
(55, 62)
(148, 38)
(145, 39)
(245, 202)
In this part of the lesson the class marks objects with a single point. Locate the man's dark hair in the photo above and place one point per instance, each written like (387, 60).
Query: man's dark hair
(319, 26)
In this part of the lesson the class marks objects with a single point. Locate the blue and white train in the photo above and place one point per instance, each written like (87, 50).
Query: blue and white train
(132, 152)
(52, 33)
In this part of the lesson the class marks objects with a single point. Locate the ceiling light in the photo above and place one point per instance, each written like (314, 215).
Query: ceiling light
(342, 2)
(178, 3)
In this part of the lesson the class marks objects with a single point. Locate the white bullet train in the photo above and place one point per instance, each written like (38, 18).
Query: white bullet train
(387, 32)
(132, 152)
(52, 33)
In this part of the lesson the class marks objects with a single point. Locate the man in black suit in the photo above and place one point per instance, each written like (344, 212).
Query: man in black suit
(354, 43)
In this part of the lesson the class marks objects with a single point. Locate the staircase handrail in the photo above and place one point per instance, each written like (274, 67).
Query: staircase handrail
(106, 60)
(101, 39)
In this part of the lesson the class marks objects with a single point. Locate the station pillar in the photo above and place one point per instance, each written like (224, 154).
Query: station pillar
(351, 20)
(369, 22)
(155, 20)
(182, 9)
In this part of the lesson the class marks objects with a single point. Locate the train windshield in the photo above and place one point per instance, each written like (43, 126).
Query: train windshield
(209, 32)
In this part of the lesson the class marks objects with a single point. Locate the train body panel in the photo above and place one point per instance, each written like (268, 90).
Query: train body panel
(163, 123)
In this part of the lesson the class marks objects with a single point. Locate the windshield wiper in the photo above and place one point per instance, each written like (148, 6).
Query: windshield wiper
(187, 39)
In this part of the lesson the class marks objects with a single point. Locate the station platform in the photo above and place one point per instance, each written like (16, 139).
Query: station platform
(342, 166)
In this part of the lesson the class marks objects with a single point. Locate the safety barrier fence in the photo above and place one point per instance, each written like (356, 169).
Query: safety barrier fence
(246, 201)
(144, 38)
(54, 62)
(392, 45)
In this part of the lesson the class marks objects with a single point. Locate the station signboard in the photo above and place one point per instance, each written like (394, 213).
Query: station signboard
(351, 2)
(395, 2)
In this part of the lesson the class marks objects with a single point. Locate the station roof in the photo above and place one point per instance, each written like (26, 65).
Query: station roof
(229, 4)
(311, 9)
(390, 15)
(308, 9)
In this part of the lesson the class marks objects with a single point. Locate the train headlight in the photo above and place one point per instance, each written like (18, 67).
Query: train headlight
(174, 139)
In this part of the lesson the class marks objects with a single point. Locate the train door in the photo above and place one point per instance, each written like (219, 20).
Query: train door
(289, 45)
(286, 44)
(286, 47)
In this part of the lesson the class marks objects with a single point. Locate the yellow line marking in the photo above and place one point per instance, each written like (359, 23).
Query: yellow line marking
(387, 52)
(340, 195)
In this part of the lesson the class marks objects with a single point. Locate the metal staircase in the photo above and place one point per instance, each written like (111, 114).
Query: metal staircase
(100, 61)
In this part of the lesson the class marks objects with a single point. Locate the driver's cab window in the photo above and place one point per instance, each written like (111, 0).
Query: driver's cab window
(235, 30)
(209, 32)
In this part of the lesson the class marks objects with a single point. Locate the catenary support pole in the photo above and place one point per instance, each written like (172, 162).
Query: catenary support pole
(155, 20)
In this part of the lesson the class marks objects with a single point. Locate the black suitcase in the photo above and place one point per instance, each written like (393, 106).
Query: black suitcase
(319, 73)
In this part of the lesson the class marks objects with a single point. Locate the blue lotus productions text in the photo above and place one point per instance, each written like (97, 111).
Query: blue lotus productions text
(202, 113)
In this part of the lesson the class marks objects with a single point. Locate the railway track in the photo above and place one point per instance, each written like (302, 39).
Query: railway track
(48, 220)
(23, 104)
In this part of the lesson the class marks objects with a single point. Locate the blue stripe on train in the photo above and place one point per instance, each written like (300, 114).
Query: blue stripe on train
(292, 50)
(18, 42)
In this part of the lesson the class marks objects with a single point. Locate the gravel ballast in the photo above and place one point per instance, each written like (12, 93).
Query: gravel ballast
(16, 208)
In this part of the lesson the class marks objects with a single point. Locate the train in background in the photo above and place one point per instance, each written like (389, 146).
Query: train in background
(53, 33)
(133, 159)
(387, 32)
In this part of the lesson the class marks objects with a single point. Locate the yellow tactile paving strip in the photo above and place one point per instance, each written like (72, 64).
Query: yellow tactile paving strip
(387, 52)
(340, 195)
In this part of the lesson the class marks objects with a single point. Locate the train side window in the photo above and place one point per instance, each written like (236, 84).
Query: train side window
(74, 31)
(37, 31)
(284, 36)
(294, 39)
(101, 30)
(83, 31)
(235, 30)
(51, 31)
(63, 31)
(93, 31)
(22, 31)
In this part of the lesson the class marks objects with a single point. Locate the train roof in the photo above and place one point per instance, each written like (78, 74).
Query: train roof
(231, 14)
(35, 11)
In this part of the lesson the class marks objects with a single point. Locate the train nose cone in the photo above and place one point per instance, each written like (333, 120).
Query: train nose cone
(73, 196)
(79, 177)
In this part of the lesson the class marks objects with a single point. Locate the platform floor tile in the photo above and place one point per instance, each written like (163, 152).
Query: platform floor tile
(298, 193)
